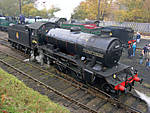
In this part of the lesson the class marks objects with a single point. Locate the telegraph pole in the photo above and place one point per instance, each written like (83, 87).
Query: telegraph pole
(98, 10)
(20, 10)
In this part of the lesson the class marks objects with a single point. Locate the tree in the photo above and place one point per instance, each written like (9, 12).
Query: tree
(89, 9)
(28, 1)
(9, 7)
(79, 12)
(133, 11)
(146, 11)
(29, 10)
(0, 8)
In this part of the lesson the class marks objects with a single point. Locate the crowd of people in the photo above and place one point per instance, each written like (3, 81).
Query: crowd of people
(131, 49)
(145, 53)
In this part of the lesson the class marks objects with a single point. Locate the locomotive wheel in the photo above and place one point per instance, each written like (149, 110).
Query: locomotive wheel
(106, 87)
(66, 71)
(19, 47)
(15, 46)
(27, 51)
(12, 44)
(79, 76)
(92, 81)
(60, 68)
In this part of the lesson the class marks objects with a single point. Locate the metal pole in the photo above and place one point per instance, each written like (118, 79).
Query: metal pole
(98, 10)
(20, 6)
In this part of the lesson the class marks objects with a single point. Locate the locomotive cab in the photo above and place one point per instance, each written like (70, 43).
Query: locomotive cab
(38, 30)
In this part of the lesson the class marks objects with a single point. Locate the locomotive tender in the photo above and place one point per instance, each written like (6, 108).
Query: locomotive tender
(87, 56)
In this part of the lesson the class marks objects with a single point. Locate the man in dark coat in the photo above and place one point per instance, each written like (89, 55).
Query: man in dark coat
(22, 19)
(145, 50)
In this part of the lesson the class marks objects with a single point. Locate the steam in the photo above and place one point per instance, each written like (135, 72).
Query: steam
(144, 97)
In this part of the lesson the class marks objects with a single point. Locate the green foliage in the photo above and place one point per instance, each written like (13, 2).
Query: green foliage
(9, 7)
(15, 97)
(133, 11)
(28, 1)
(80, 12)
(118, 10)
(30, 10)
(89, 9)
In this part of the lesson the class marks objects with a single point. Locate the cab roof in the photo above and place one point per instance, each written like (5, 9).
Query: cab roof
(35, 25)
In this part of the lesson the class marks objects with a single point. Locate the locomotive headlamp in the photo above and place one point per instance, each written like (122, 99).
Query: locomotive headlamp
(110, 33)
(114, 76)
(82, 58)
(34, 41)
(132, 68)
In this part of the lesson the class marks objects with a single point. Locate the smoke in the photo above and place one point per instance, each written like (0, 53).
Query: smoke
(30, 59)
(26, 60)
(144, 97)
(39, 59)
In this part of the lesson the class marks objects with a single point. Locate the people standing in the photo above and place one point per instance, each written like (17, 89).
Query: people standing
(134, 48)
(147, 64)
(145, 50)
(148, 53)
(138, 37)
(141, 58)
(130, 51)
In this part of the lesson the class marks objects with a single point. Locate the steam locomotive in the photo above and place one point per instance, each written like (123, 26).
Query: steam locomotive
(87, 56)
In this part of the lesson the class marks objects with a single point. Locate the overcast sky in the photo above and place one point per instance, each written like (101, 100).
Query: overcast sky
(66, 6)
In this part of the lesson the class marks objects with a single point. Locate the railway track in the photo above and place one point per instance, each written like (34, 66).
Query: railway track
(89, 98)
(52, 83)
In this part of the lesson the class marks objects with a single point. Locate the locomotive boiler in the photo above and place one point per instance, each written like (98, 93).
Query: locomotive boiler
(99, 48)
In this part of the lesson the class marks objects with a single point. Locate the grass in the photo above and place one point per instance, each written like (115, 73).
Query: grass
(15, 97)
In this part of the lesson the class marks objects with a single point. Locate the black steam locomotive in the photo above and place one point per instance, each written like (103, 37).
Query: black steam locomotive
(89, 57)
